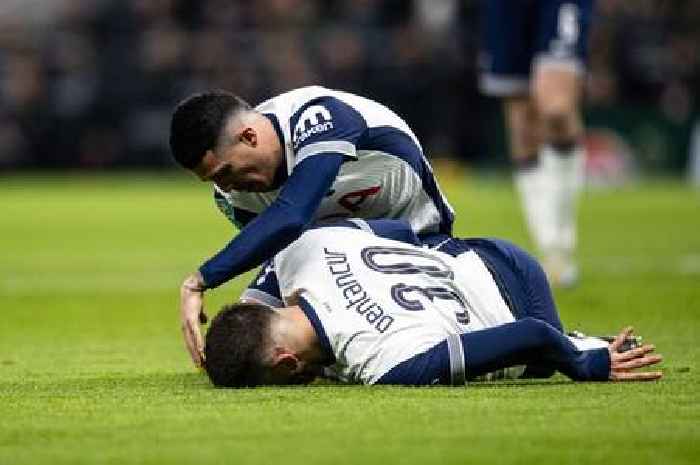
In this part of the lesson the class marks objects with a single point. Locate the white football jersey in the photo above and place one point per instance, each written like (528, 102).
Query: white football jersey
(386, 174)
(375, 302)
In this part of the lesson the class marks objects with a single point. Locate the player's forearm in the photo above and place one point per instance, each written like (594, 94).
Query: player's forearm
(532, 341)
(279, 225)
(264, 237)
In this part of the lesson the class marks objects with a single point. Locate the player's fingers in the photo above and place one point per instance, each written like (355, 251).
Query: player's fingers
(638, 376)
(636, 352)
(620, 339)
(648, 375)
(189, 342)
(192, 349)
(198, 344)
(638, 362)
(195, 343)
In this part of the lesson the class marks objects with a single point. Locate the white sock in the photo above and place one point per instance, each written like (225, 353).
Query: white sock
(549, 192)
(563, 173)
(534, 196)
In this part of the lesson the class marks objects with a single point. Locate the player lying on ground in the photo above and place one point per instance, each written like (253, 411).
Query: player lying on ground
(367, 309)
(301, 157)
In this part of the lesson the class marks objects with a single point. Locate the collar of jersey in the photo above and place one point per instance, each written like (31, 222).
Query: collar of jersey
(310, 312)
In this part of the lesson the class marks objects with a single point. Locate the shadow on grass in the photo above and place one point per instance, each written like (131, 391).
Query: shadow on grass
(188, 384)
(38, 384)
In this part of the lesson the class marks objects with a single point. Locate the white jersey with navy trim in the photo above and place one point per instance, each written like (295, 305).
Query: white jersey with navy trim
(386, 174)
(264, 288)
(377, 302)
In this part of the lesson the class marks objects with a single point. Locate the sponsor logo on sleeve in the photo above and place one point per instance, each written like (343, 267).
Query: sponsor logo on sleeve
(314, 120)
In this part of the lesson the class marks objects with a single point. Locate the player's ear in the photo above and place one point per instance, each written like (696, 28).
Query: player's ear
(249, 136)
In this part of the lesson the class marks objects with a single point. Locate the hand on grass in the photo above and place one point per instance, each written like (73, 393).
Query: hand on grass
(622, 363)
(191, 315)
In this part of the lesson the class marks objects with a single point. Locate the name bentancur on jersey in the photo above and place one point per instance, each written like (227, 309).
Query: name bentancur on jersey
(353, 292)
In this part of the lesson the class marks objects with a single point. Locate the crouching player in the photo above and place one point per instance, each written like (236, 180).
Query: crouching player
(372, 310)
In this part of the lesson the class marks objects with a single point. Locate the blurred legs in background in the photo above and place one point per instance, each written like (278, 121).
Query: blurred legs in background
(694, 155)
(532, 57)
(545, 132)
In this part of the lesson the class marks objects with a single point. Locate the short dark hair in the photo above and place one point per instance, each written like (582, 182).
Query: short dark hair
(235, 343)
(197, 122)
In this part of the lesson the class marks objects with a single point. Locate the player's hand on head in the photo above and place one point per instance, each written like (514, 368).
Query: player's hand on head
(191, 315)
(623, 364)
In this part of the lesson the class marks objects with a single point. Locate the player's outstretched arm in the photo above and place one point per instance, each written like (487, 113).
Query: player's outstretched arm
(270, 232)
(622, 363)
(533, 341)
(521, 342)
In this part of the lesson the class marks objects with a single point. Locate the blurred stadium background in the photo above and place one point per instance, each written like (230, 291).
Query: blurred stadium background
(92, 368)
(91, 84)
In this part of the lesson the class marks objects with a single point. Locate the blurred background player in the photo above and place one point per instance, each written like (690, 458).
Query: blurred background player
(533, 55)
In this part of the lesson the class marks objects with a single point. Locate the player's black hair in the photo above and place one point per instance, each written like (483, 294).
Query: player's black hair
(234, 345)
(197, 122)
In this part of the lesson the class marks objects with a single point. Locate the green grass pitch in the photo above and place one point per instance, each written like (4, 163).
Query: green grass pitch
(93, 371)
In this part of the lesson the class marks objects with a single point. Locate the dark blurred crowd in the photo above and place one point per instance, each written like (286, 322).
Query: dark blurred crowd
(91, 83)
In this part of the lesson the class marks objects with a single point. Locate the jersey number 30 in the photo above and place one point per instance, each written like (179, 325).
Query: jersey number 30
(432, 266)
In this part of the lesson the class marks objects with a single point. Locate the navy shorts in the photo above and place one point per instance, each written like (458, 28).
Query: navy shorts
(519, 34)
(520, 278)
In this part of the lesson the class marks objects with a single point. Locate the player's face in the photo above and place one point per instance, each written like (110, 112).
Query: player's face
(244, 163)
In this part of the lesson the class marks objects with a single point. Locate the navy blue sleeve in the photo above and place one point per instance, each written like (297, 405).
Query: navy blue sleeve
(325, 125)
(265, 288)
(519, 343)
(279, 225)
(532, 341)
